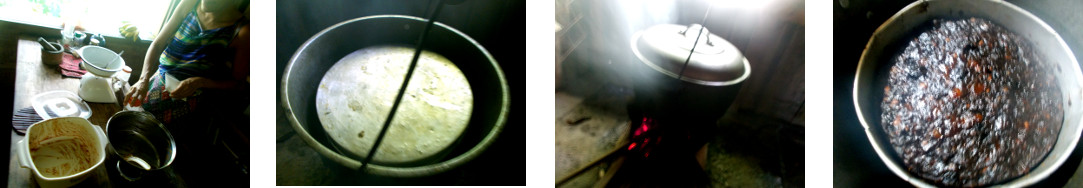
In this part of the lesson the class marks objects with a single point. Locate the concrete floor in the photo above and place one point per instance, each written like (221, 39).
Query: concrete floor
(747, 150)
(585, 133)
(751, 151)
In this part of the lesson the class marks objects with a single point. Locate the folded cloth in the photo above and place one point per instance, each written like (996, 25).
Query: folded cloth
(23, 119)
(69, 66)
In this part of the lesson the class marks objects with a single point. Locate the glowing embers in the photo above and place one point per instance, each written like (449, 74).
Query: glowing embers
(641, 137)
(644, 126)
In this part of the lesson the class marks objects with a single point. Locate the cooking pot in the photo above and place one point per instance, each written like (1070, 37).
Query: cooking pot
(142, 144)
(701, 90)
(65, 141)
(875, 61)
(312, 60)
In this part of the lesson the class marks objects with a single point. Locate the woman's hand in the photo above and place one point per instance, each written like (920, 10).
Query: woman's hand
(136, 95)
(187, 87)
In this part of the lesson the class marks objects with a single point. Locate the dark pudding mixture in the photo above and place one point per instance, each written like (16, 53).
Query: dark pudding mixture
(969, 104)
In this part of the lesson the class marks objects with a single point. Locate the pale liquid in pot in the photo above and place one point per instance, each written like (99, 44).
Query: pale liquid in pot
(356, 94)
(138, 151)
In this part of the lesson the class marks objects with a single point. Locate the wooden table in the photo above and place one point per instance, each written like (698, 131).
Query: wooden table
(32, 78)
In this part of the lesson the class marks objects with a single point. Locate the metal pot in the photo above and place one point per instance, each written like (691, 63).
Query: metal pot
(873, 67)
(704, 89)
(142, 144)
(307, 66)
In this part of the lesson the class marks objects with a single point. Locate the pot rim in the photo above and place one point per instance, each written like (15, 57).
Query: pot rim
(922, 6)
(416, 171)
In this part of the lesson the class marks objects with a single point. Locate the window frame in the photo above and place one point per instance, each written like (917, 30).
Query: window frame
(46, 21)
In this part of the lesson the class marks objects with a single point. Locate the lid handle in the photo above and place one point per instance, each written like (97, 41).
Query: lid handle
(691, 40)
(704, 34)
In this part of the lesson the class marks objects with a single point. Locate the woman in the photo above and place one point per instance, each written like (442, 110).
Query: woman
(198, 58)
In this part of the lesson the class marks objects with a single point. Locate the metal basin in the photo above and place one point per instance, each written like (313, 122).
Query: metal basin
(312, 60)
(874, 65)
(141, 143)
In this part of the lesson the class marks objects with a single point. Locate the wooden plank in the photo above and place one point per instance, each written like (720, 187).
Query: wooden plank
(609, 172)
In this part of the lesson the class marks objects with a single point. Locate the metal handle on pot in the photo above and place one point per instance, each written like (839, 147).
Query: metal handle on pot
(126, 171)
(402, 89)
(705, 32)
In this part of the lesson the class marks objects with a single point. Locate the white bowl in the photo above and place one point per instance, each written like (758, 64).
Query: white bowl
(43, 150)
(101, 61)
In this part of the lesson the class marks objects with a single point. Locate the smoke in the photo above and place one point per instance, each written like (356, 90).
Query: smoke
(614, 24)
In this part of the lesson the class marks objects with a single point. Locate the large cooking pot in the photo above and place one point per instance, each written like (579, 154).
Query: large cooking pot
(312, 60)
(874, 65)
(142, 144)
(702, 89)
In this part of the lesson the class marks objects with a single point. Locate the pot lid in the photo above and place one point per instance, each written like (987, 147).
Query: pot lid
(60, 103)
(715, 61)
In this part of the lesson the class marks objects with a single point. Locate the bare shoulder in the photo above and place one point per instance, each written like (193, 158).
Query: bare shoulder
(243, 32)
(242, 38)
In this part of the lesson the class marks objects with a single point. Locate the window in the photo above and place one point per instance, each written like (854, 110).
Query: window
(96, 16)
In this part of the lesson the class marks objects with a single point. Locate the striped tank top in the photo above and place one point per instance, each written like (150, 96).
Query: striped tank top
(195, 52)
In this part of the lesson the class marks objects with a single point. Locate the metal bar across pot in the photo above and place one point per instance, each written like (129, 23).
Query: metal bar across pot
(402, 90)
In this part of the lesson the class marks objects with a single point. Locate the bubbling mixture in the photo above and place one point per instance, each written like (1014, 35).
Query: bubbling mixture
(969, 103)
(356, 94)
